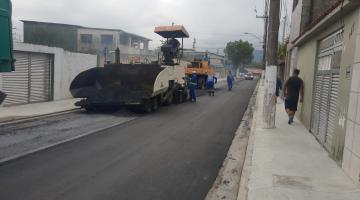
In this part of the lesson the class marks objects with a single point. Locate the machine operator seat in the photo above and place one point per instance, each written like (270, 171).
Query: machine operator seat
(170, 50)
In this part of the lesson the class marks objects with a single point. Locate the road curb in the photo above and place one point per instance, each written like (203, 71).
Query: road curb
(17, 156)
(22, 119)
(245, 174)
(227, 183)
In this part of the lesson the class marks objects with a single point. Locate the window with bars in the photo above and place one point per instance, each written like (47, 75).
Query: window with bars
(107, 39)
(86, 38)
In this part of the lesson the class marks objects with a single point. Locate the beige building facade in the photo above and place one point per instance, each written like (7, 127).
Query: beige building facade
(325, 46)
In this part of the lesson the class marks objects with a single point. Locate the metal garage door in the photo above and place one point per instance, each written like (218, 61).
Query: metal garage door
(326, 88)
(16, 83)
(30, 82)
(39, 78)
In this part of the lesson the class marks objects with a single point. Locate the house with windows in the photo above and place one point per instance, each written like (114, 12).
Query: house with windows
(325, 45)
(99, 41)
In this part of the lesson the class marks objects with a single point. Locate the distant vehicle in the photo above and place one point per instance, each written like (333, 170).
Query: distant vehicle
(249, 76)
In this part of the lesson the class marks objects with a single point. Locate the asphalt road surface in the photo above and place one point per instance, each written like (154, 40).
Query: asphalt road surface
(172, 154)
(19, 138)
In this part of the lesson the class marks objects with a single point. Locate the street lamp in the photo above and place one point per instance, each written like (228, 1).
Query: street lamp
(257, 37)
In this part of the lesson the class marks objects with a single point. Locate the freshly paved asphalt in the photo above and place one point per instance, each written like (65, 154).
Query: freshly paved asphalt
(172, 154)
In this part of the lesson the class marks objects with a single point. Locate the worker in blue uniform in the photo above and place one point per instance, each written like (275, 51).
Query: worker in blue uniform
(206, 57)
(210, 82)
(192, 87)
(278, 88)
(230, 80)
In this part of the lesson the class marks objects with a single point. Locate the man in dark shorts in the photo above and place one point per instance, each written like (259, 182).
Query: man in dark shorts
(292, 88)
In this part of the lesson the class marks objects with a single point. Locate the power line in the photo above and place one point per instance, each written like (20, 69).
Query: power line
(216, 34)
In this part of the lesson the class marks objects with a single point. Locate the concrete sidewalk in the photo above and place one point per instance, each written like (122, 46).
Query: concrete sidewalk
(288, 163)
(8, 114)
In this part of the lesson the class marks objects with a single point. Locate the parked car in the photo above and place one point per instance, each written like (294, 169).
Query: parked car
(249, 76)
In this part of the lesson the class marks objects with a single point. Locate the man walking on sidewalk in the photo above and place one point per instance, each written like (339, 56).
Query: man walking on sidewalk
(278, 88)
(292, 88)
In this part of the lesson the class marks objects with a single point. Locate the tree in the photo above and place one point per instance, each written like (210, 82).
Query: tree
(239, 52)
(282, 51)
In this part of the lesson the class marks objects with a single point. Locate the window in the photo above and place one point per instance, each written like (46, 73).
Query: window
(336, 60)
(324, 63)
(106, 39)
(124, 39)
(86, 38)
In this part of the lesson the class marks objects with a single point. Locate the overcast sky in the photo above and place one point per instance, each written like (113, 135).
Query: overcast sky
(212, 22)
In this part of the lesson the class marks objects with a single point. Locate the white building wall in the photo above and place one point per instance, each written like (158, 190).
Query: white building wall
(71, 65)
(296, 22)
(67, 65)
(351, 157)
(293, 60)
(294, 34)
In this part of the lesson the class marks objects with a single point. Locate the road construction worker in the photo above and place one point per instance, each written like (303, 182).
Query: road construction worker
(206, 57)
(230, 80)
(210, 82)
(192, 87)
(175, 44)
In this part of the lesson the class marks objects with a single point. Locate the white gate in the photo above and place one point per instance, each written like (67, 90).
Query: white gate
(325, 97)
(31, 80)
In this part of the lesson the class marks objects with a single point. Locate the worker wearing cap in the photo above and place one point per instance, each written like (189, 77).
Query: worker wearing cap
(206, 57)
(192, 87)
(230, 79)
(210, 82)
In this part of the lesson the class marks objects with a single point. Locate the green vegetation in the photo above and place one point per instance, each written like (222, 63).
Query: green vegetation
(240, 53)
(282, 51)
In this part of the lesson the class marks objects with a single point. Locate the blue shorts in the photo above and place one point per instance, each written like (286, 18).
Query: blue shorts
(210, 85)
(291, 104)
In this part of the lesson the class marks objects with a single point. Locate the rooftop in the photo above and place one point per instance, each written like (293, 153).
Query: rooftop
(77, 26)
(175, 31)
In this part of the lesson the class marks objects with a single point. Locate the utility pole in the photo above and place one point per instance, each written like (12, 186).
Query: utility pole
(265, 17)
(284, 30)
(269, 110)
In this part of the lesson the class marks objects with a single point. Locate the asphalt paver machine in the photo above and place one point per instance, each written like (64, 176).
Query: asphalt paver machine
(140, 86)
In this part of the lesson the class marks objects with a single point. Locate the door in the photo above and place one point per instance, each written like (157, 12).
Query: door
(31, 80)
(39, 78)
(16, 83)
(326, 88)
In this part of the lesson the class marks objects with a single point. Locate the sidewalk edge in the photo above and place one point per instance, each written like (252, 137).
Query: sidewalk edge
(245, 174)
(226, 185)
(22, 119)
